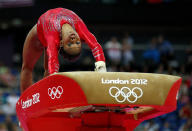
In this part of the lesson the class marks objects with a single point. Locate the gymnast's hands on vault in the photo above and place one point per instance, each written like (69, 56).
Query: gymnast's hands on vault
(100, 66)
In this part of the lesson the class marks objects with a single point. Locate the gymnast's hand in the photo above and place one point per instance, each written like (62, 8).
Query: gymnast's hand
(100, 66)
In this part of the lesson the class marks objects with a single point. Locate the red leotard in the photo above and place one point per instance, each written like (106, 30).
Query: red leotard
(49, 33)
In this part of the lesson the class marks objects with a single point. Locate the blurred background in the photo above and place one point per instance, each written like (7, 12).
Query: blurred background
(152, 36)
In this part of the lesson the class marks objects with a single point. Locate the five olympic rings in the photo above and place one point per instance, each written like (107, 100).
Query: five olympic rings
(126, 93)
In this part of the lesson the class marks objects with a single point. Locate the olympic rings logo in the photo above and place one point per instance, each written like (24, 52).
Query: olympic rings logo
(55, 92)
(126, 93)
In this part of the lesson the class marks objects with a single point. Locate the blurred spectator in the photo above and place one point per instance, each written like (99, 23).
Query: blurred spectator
(127, 54)
(183, 99)
(161, 70)
(184, 89)
(189, 64)
(189, 58)
(128, 39)
(2, 100)
(151, 55)
(12, 99)
(173, 63)
(171, 70)
(112, 68)
(187, 126)
(165, 46)
(151, 126)
(189, 83)
(189, 49)
(166, 127)
(186, 112)
(113, 51)
(9, 124)
(7, 79)
(3, 127)
(165, 49)
(9, 107)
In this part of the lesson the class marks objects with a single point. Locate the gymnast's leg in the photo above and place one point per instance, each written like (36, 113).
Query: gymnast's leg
(32, 50)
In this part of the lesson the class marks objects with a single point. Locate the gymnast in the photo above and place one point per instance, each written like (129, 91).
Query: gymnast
(58, 31)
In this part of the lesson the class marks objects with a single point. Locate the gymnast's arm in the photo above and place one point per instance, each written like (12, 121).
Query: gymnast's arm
(96, 48)
(32, 50)
(51, 56)
(90, 39)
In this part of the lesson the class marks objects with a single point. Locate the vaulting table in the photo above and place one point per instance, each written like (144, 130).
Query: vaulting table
(84, 101)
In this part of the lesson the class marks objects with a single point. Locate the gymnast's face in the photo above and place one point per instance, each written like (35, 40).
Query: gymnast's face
(71, 43)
